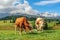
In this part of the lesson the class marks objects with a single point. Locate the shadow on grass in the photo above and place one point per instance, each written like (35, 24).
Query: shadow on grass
(49, 31)
(50, 28)
(41, 33)
(33, 33)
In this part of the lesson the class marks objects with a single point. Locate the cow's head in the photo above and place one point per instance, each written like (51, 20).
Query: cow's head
(30, 27)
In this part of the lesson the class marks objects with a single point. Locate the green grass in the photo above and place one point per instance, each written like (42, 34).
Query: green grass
(7, 25)
(46, 35)
(9, 34)
(51, 24)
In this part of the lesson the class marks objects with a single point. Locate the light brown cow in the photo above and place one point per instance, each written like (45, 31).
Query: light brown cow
(39, 24)
(22, 23)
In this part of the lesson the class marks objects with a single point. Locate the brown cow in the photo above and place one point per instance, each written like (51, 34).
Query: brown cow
(39, 24)
(22, 23)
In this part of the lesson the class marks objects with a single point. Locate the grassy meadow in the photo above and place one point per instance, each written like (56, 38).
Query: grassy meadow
(7, 32)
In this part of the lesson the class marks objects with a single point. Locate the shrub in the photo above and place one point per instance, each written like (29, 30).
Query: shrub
(45, 26)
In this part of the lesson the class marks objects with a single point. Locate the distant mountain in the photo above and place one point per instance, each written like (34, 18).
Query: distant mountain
(2, 15)
(21, 14)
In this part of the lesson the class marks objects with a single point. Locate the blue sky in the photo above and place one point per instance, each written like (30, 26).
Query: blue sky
(30, 6)
(51, 7)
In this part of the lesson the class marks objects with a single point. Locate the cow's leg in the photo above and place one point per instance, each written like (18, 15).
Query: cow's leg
(26, 29)
(42, 25)
(20, 29)
(36, 27)
(42, 28)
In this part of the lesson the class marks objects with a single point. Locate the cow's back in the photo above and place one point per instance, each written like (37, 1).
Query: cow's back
(19, 20)
(38, 20)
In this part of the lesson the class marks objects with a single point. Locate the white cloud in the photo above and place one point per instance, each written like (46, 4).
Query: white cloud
(7, 6)
(1, 7)
(47, 2)
(52, 14)
(24, 8)
(6, 3)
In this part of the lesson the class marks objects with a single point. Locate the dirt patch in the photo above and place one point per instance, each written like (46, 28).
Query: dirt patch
(56, 27)
(7, 28)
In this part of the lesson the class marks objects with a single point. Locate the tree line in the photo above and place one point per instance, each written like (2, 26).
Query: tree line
(13, 18)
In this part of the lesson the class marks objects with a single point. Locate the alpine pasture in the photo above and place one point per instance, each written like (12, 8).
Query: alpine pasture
(7, 32)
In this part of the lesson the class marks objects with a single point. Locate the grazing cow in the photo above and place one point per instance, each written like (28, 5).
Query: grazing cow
(39, 24)
(22, 23)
